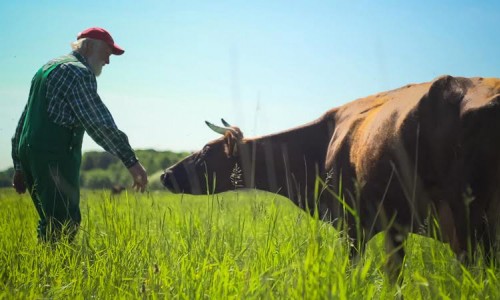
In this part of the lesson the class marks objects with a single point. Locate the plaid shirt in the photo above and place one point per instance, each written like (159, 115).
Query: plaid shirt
(74, 102)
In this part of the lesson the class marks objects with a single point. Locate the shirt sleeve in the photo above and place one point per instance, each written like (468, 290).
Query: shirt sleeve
(97, 121)
(15, 140)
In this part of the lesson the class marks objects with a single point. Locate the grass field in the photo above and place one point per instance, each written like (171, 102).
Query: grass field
(236, 245)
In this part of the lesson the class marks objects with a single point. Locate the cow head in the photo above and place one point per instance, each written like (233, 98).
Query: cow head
(212, 169)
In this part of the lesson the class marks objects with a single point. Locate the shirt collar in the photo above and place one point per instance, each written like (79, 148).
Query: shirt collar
(81, 59)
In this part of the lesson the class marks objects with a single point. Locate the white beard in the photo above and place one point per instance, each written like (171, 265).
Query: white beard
(96, 66)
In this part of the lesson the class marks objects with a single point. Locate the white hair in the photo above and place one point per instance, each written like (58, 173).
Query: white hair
(82, 43)
(78, 44)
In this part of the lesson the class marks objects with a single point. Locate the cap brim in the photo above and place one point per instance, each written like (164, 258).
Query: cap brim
(117, 50)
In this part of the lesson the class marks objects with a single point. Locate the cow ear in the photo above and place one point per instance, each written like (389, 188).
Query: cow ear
(231, 143)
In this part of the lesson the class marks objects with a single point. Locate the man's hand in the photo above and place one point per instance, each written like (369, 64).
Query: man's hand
(18, 182)
(140, 176)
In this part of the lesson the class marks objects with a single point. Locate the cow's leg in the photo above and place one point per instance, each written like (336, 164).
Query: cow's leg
(488, 235)
(448, 226)
(487, 240)
(455, 228)
(394, 240)
(357, 239)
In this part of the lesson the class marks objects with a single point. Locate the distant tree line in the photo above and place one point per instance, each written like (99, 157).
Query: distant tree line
(102, 170)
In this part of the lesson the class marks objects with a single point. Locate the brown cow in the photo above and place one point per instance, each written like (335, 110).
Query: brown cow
(117, 189)
(396, 158)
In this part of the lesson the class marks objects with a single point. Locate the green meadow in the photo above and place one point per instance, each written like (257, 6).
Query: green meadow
(235, 245)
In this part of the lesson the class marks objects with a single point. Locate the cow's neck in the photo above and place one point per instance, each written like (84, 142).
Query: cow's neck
(287, 162)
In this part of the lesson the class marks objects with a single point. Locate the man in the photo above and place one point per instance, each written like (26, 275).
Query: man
(46, 148)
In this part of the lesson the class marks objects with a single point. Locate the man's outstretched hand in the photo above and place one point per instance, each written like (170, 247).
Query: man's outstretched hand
(18, 182)
(140, 177)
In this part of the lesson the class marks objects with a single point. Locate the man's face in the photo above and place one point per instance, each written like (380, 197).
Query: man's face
(99, 56)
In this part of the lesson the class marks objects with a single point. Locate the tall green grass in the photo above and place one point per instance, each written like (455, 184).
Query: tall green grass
(234, 245)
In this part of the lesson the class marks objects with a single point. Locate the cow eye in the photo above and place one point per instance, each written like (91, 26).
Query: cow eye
(205, 150)
(200, 158)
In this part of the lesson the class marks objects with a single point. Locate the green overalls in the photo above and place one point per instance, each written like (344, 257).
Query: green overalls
(50, 157)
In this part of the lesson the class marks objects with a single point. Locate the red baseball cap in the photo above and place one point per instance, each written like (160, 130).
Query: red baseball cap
(101, 34)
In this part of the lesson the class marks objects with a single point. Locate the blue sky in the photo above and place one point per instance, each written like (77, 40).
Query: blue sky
(262, 65)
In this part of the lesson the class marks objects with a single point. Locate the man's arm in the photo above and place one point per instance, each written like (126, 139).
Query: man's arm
(18, 179)
(15, 140)
(98, 122)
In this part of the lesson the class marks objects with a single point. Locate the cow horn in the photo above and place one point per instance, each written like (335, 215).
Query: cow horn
(225, 123)
(218, 129)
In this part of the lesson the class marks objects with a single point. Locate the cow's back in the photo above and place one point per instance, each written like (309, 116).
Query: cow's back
(408, 148)
(359, 153)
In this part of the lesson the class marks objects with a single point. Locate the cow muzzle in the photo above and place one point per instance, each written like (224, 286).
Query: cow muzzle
(168, 180)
